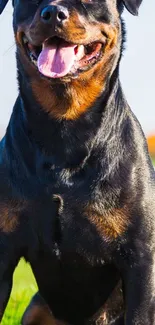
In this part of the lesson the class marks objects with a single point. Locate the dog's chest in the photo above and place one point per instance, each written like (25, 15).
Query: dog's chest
(83, 222)
(85, 219)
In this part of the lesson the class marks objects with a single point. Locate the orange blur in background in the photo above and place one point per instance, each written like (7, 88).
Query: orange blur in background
(151, 145)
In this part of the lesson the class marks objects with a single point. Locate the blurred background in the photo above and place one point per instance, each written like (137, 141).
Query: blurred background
(137, 75)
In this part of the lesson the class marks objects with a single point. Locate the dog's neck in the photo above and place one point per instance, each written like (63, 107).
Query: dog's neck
(37, 143)
(48, 130)
(62, 143)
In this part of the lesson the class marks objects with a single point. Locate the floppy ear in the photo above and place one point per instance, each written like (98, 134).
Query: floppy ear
(132, 6)
(3, 3)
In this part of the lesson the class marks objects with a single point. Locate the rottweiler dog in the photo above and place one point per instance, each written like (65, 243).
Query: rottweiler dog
(77, 186)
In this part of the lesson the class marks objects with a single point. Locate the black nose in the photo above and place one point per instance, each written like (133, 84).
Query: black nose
(52, 14)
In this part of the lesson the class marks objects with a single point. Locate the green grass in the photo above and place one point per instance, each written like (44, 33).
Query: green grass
(24, 286)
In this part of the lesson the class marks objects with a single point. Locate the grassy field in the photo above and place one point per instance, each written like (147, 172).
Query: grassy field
(24, 286)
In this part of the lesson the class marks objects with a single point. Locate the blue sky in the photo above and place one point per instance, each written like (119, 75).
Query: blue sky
(137, 67)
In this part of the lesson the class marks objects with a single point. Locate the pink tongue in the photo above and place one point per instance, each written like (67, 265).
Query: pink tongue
(55, 61)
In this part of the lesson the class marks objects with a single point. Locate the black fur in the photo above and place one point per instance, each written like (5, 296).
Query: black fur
(132, 5)
(57, 174)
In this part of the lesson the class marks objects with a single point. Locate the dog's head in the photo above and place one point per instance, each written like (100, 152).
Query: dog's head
(69, 40)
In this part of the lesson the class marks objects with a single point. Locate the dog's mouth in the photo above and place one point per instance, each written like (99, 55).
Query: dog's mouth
(57, 58)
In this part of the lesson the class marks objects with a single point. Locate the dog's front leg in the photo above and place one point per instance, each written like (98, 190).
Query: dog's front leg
(39, 313)
(8, 262)
(5, 289)
(139, 289)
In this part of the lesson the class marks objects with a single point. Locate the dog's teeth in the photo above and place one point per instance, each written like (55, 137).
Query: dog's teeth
(80, 52)
(25, 40)
(33, 59)
(43, 46)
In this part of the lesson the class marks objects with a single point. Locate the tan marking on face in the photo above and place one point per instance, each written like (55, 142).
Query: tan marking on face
(79, 98)
(81, 93)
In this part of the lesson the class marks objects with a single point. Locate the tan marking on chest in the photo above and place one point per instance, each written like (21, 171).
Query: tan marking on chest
(10, 213)
(8, 220)
(111, 224)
